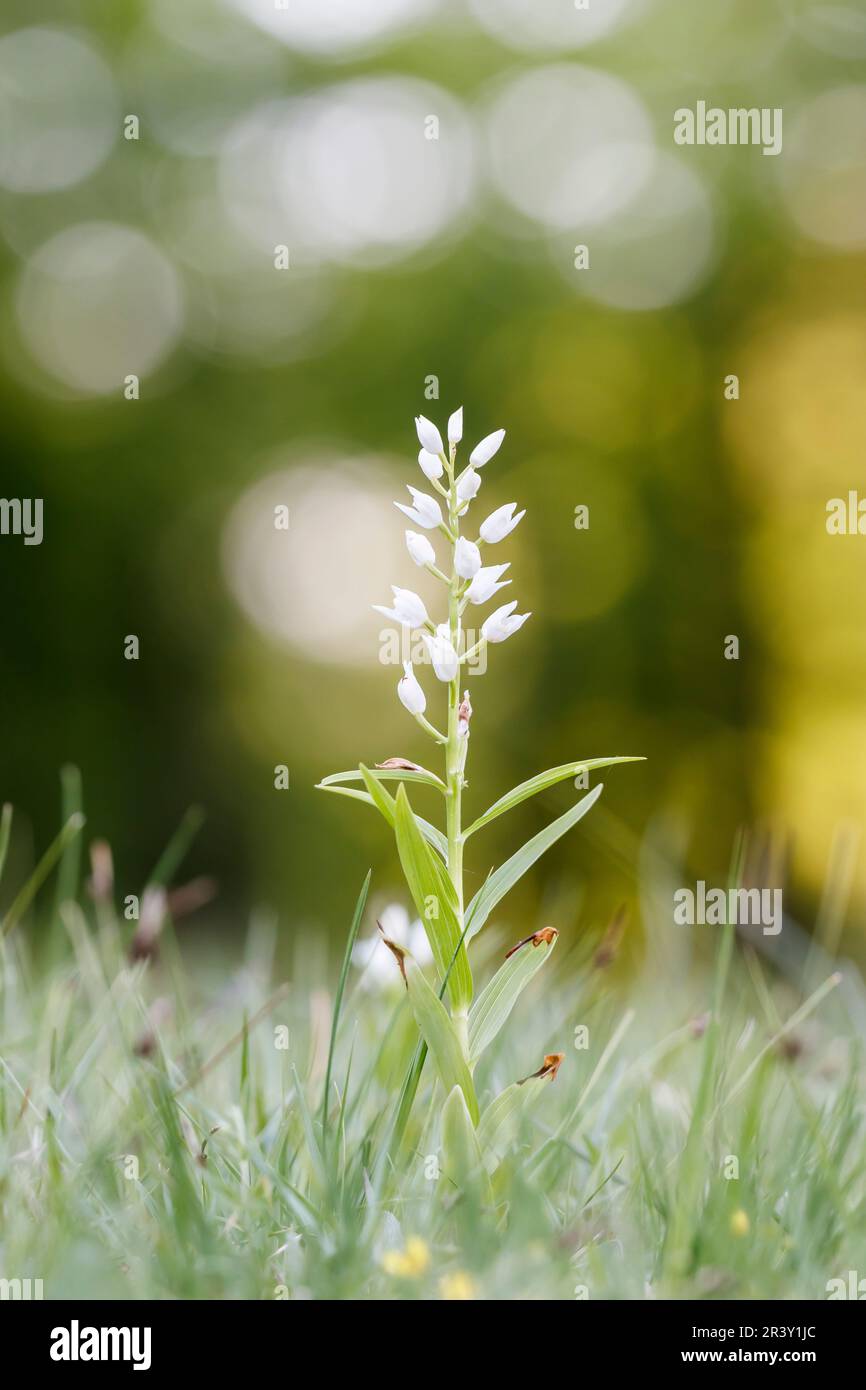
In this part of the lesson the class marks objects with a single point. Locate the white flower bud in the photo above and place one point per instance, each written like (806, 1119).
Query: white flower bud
(431, 466)
(446, 662)
(467, 558)
(408, 608)
(411, 695)
(486, 583)
(500, 523)
(420, 549)
(428, 436)
(483, 452)
(467, 485)
(426, 511)
(455, 427)
(503, 622)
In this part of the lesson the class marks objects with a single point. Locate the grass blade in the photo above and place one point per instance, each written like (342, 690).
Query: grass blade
(26, 895)
(338, 1001)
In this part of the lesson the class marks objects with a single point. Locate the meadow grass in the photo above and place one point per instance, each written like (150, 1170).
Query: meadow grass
(176, 1124)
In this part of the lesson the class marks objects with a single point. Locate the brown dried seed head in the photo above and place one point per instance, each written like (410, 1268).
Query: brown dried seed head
(549, 1067)
(101, 871)
(154, 905)
(552, 1062)
(547, 935)
(189, 897)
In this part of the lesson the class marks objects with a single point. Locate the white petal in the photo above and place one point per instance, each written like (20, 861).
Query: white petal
(467, 558)
(431, 466)
(483, 452)
(500, 523)
(446, 662)
(468, 484)
(420, 549)
(411, 695)
(455, 427)
(428, 435)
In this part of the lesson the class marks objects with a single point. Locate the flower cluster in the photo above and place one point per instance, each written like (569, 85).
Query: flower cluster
(467, 578)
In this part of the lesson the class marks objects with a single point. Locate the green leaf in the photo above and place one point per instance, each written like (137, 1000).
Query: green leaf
(433, 836)
(497, 999)
(436, 1029)
(463, 1164)
(504, 878)
(386, 774)
(501, 1122)
(5, 832)
(338, 1002)
(428, 880)
(540, 783)
(53, 853)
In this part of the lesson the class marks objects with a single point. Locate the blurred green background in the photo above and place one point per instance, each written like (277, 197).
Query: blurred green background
(452, 257)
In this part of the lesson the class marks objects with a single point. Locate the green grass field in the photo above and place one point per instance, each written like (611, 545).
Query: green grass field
(165, 1131)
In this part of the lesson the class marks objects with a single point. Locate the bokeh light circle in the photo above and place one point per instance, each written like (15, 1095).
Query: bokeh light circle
(96, 303)
(332, 27)
(312, 586)
(568, 146)
(350, 172)
(546, 25)
(837, 29)
(657, 250)
(823, 174)
(59, 112)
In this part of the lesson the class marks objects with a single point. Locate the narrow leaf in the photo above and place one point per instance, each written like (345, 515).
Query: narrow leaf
(497, 999)
(540, 783)
(433, 892)
(436, 1028)
(433, 836)
(5, 832)
(54, 852)
(67, 874)
(460, 1147)
(177, 848)
(386, 774)
(503, 879)
(344, 973)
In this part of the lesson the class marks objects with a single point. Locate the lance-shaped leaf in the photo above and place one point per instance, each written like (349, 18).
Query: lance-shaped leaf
(397, 773)
(435, 898)
(384, 803)
(498, 998)
(501, 1122)
(436, 1028)
(540, 783)
(463, 1163)
(504, 878)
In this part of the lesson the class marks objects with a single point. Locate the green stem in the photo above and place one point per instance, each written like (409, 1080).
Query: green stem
(453, 751)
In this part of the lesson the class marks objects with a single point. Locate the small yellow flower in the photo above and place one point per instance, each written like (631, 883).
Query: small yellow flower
(418, 1255)
(457, 1287)
(410, 1263)
(740, 1224)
